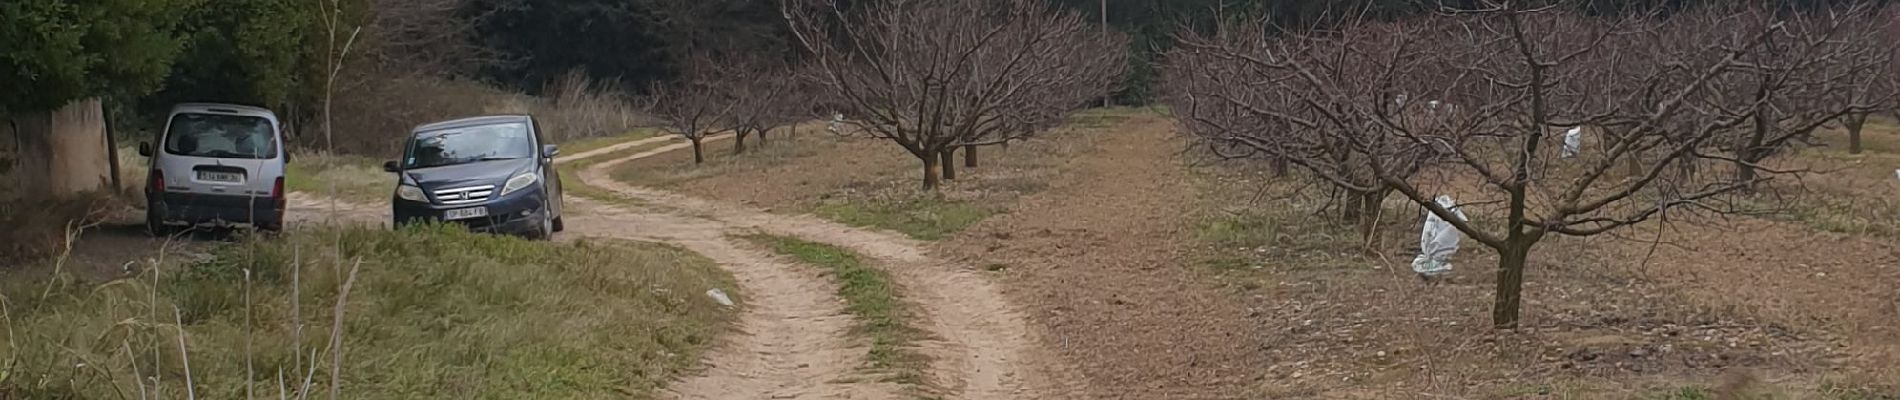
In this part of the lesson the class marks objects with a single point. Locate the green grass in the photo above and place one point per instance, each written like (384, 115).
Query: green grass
(870, 297)
(570, 176)
(922, 217)
(1683, 393)
(578, 146)
(356, 178)
(433, 313)
(1848, 214)
(1289, 237)
(781, 148)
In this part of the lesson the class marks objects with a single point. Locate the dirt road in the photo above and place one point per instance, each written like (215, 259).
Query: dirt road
(1098, 256)
(794, 337)
(979, 347)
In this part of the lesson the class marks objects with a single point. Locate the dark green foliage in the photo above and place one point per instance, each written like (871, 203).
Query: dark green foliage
(55, 51)
(243, 51)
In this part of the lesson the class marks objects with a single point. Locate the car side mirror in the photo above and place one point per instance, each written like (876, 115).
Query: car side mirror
(550, 151)
(390, 166)
(145, 149)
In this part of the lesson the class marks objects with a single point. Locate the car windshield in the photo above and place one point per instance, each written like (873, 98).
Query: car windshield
(221, 136)
(468, 144)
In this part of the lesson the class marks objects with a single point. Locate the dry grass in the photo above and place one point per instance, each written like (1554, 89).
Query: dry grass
(677, 169)
(433, 312)
(573, 185)
(37, 228)
(1851, 193)
(782, 171)
(578, 146)
(374, 119)
(873, 183)
(351, 178)
(1349, 320)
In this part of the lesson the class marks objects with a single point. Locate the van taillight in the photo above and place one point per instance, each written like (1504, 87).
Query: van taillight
(158, 182)
(277, 190)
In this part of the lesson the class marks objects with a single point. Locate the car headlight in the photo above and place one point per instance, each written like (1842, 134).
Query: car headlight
(411, 193)
(517, 183)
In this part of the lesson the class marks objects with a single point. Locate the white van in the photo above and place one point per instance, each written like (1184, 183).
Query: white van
(216, 164)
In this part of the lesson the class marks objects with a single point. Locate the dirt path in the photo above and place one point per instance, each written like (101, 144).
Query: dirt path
(1098, 257)
(308, 208)
(793, 340)
(979, 347)
(616, 147)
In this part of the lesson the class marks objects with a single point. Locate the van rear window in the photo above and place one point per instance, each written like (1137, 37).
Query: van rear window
(221, 136)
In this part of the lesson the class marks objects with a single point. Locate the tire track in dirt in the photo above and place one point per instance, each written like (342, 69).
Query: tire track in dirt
(978, 344)
(615, 147)
(793, 340)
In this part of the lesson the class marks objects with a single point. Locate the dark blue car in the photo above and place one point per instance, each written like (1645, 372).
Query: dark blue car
(491, 174)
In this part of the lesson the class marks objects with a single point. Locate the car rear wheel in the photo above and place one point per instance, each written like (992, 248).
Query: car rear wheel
(155, 222)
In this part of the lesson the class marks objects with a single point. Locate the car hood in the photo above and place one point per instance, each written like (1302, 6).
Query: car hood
(471, 174)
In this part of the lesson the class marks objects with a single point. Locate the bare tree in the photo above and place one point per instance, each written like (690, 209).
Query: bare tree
(1878, 91)
(1663, 97)
(932, 76)
(763, 92)
(1814, 70)
(1229, 97)
(694, 106)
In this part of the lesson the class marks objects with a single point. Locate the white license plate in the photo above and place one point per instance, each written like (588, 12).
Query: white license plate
(214, 176)
(466, 213)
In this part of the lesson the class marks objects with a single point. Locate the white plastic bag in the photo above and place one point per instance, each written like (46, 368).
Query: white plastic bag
(719, 296)
(1573, 142)
(837, 124)
(1438, 241)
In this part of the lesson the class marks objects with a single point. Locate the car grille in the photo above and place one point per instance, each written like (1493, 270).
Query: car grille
(464, 195)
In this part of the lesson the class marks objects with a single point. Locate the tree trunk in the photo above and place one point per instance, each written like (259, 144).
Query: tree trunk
(1511, 260)
(1744, 171)
(949, 162)
(969, 156)
(1750, 152)
(112, 155)
(63, 152)
(1279, 167)
(932, 174)
(1349, 211)
(1369, 205)
(762, 133)
(699, 157)
(1854, 122)
(738, 141)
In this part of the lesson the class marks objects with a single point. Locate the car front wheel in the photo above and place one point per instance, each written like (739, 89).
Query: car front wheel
(545, 229)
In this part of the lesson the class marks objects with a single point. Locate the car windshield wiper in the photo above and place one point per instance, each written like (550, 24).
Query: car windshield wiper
(494, 158)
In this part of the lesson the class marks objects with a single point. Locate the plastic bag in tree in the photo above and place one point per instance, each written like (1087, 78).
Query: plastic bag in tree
(1438, 241)
(1573, 142)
